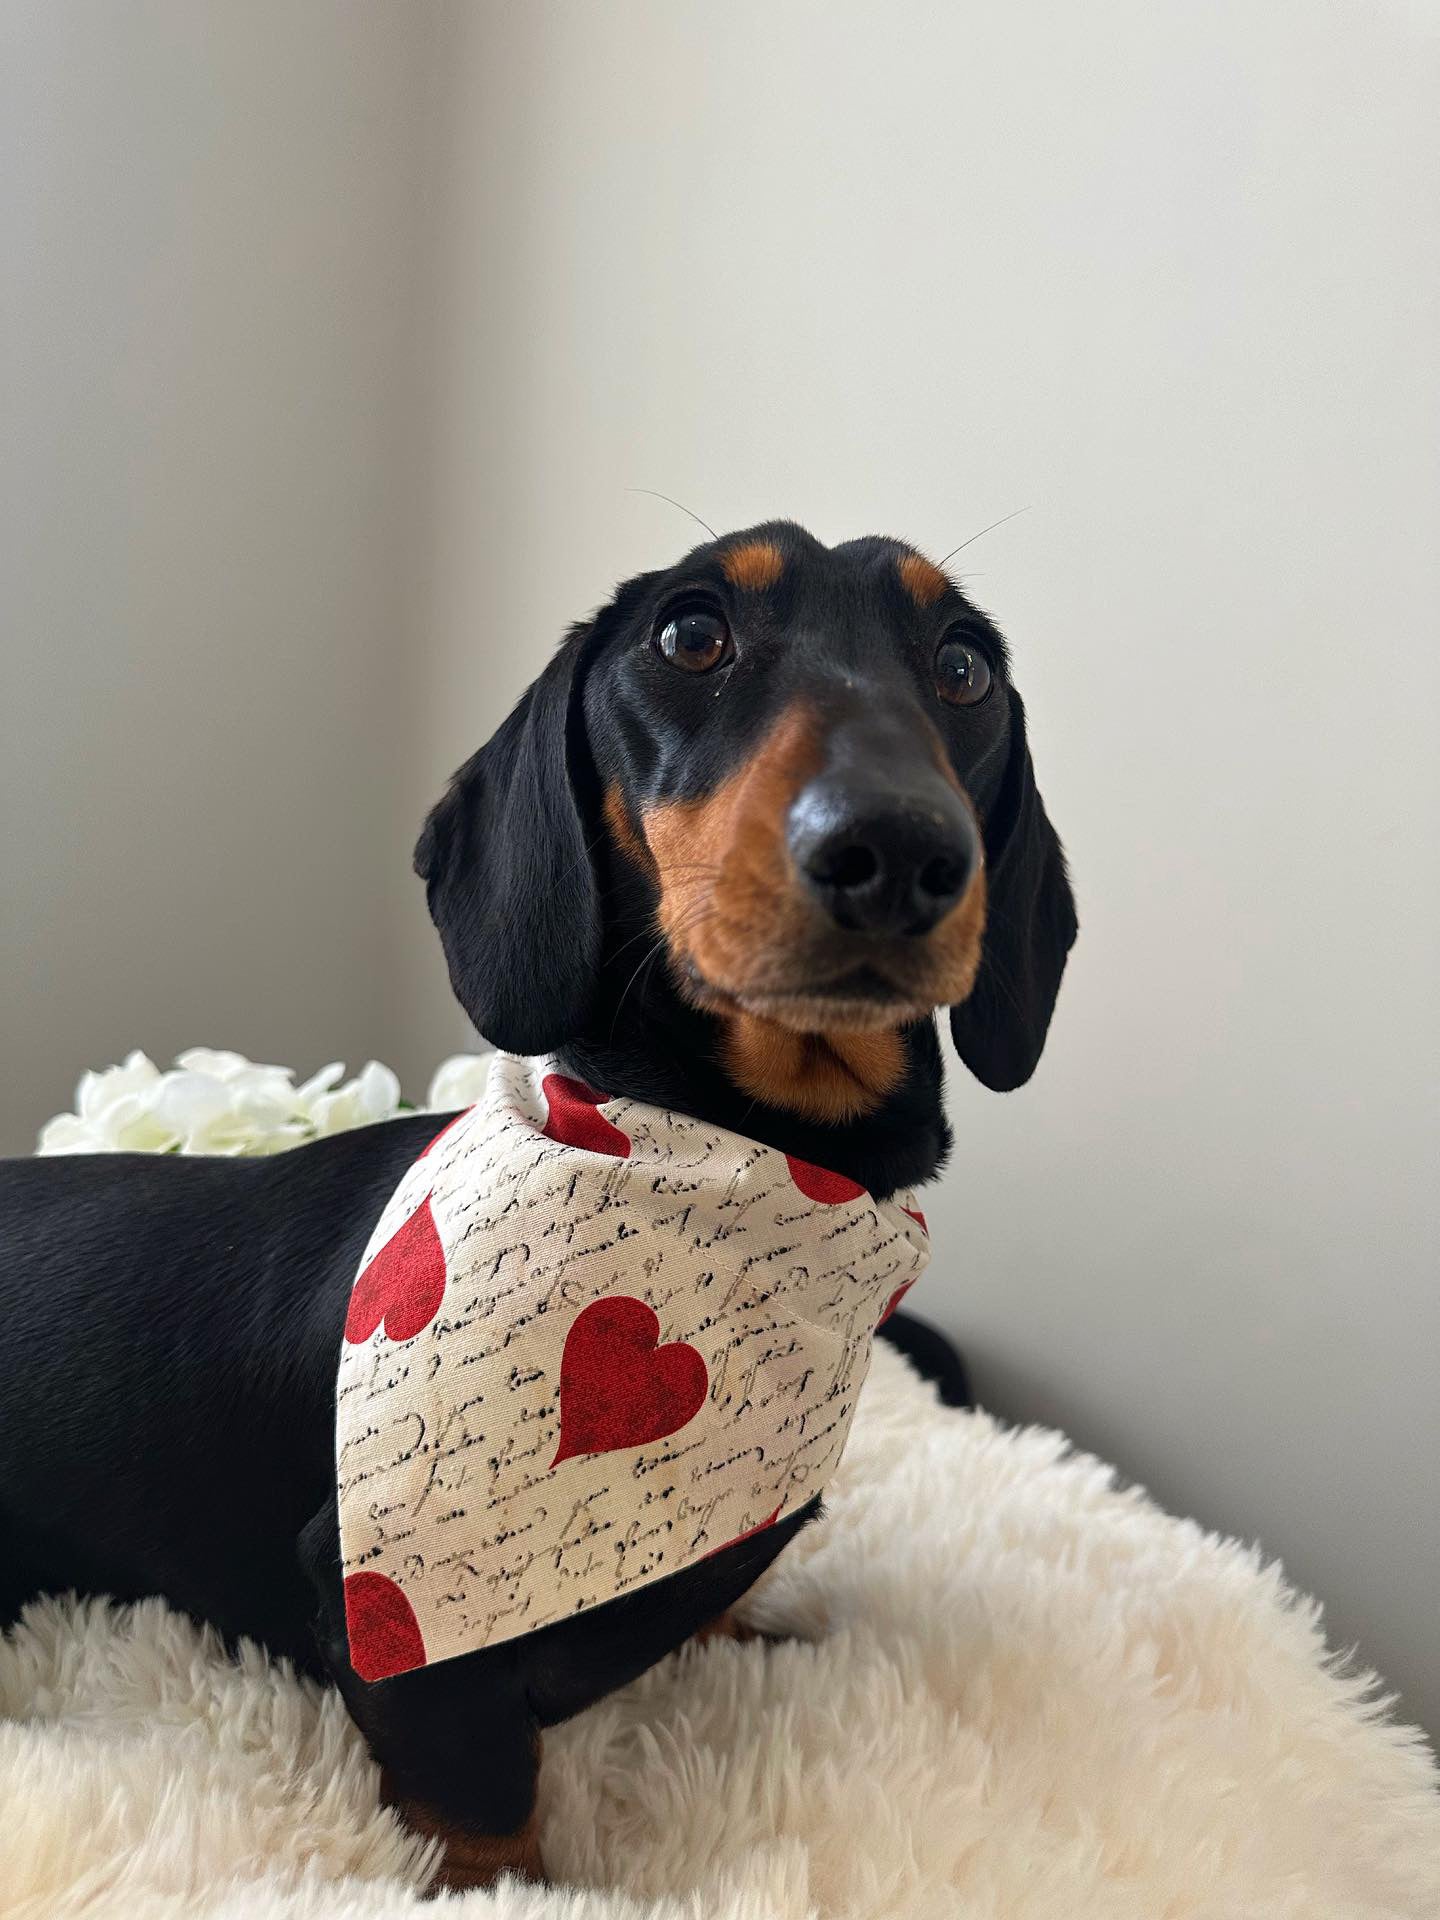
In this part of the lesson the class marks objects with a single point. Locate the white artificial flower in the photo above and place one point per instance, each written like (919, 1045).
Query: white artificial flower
(252, 1110)
(188, 1104)
(219, 1064)
(254, 1086)
(115, 1112)
(68, 1133)
(321, 1082)
(97, 1091)
(374, 1094)
(458, 1082)
(217, 1102)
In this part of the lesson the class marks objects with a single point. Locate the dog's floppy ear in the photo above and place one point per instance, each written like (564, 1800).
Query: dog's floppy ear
(1030, 926)
(505, 858)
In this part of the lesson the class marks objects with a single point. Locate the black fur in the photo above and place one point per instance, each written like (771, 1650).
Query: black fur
(172, 1325)
(1029, 928)
(510, 844)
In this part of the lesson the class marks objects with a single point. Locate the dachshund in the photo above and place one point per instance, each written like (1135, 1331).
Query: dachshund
(754, 824)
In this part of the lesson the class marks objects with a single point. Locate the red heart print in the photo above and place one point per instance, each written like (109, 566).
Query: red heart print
(618, 1386)
(576, 1120)
(896, 1297)
(818, 1183)
(449, 1127)
(403, 1285)
(380, 1624)
(919, 1219)
(760, 1526)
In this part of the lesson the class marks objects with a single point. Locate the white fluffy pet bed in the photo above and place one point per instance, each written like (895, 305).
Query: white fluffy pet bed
(1014, 1692)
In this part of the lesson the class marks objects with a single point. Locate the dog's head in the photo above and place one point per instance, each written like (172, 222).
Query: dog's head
(799, 775)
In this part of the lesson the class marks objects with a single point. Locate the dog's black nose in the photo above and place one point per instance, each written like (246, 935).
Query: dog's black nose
(883, 859)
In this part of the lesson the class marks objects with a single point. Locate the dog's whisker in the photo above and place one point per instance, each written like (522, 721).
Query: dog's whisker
(690, 908)
(686, 924)
(648, 960)
(680, 507)
(982, 533)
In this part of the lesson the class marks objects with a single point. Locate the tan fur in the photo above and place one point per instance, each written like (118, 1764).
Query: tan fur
(921, 579)
(725, 1626)
(756, 565)
(472, 1860)
(727, 899)
(623, 831)
(824, 1076)
(733, 913)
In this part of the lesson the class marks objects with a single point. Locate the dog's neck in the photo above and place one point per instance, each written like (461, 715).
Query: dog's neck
(658, 1049)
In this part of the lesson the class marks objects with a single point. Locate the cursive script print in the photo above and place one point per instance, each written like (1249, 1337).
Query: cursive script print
(743, 1310)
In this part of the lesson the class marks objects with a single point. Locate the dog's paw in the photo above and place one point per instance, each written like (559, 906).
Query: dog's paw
(471, 1860)
(466, 1867)
(727, 1627)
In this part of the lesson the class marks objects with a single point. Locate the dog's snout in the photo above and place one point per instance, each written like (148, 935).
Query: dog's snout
(886, 859)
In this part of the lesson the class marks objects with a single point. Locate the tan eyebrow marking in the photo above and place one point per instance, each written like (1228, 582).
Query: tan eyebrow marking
(922, 579)
(758, 564)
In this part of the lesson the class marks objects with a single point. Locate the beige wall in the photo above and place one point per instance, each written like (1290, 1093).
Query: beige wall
(332, 386)
(211, 219)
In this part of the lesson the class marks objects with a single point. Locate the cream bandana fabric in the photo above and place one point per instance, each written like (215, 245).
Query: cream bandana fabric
(590, 1343)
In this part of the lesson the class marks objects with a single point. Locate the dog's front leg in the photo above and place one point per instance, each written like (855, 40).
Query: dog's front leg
(457, 1743)
(459, 1758)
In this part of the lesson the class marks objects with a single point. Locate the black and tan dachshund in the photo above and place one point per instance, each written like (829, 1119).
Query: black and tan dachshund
(752, 826)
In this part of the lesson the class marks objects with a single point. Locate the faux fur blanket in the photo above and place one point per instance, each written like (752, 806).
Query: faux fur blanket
(1012, 1692)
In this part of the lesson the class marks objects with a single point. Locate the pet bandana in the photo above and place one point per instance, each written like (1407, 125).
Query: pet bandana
(590, 1342)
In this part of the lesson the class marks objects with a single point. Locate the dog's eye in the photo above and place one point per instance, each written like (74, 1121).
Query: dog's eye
(695, 638)
(962, 673)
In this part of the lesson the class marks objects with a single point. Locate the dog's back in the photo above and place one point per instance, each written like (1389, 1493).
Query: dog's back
(153, 1442)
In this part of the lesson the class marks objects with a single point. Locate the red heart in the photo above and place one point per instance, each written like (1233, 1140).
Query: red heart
(618, 1386)
(449, 1127)
(918, 1217)
(818, 1183)
(749, 1534)
(380, 1624)
(896, 1297)
(575, 1119)
(402, 1285)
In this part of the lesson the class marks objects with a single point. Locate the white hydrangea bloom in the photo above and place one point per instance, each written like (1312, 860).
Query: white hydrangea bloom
(114, 1113)
(220, 1065)
(219, 1102)
(253, 1110)
(458, 1082)
(374, 1094)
